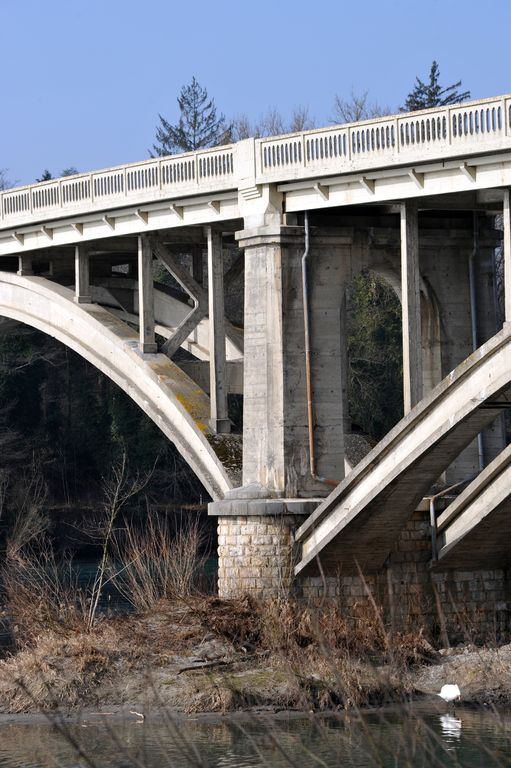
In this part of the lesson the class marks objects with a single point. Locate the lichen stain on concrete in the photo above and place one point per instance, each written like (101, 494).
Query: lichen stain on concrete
(228, 449)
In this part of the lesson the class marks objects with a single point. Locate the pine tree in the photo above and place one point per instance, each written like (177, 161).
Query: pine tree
(198, 125)
(45, 176)
(426, 95)
(4, 181)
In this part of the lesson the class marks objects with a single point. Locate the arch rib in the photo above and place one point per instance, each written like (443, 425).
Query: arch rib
(164, 392)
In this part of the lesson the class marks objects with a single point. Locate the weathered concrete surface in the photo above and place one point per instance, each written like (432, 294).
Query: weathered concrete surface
(276, 447)
(475, 529)
(169, 397)
(357, 524)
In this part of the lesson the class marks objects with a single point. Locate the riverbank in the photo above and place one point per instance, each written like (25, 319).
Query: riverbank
(210, 655)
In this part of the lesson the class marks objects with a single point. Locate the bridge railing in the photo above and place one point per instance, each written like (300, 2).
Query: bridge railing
(416, 137)
(166, 177)
(409, 137)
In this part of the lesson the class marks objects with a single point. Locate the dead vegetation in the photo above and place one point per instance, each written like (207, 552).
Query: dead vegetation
(179, 648)
(201, 653)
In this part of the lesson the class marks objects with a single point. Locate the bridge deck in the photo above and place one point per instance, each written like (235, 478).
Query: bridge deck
(409, 154)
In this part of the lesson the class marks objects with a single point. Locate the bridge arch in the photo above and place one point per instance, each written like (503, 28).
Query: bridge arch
(431, 332)
(164, 392)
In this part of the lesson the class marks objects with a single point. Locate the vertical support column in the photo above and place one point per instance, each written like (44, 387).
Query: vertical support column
(411, 314)
(82, 278)
(507, 254)
(147, 341)
(24, 266)
(217, 367)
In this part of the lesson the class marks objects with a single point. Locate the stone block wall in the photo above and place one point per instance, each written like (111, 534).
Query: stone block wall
(255, 555)
(452, 606)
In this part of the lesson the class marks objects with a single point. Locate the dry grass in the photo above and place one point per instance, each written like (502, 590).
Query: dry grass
(41, 593)
(331, 662)
(154, 564)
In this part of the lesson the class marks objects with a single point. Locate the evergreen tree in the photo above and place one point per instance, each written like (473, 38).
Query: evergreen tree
(45, 176)
(4, 181)
(431, 94)
(198, 126)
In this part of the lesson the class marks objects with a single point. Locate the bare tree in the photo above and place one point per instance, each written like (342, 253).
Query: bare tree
(356, 108)
(118, 488)
(301, 120)
(241, 128)
(271, 123)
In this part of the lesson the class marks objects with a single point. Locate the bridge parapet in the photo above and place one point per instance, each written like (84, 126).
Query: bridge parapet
(148, 181)
(415, 137)
(408, 138)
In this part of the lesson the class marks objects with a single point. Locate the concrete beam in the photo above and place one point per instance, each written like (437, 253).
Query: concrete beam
(189, 284)
(25, 266)
(411, 317)
(82, 277)
(147, 343)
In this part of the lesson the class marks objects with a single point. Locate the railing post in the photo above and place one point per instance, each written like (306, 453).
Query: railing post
(82, 280)
(217, 368)
(147, 341)
(411, 317)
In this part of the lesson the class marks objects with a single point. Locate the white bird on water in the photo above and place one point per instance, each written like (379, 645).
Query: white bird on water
(450, 693)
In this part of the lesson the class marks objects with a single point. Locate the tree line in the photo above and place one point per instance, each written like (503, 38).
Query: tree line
(200, 125)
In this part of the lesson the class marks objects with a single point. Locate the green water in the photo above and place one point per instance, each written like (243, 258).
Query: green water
(390, 738)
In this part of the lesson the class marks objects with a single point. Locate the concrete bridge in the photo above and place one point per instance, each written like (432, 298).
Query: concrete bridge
(412, 197)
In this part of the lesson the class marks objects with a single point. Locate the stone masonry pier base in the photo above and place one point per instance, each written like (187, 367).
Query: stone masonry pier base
(256, 542)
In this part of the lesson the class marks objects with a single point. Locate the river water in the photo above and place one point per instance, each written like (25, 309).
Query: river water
(420, 736)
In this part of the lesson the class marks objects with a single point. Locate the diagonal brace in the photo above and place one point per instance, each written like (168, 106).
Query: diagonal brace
(196, 292)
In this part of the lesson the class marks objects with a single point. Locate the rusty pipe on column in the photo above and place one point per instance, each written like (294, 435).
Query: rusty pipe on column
(473, 318)
(308, 373)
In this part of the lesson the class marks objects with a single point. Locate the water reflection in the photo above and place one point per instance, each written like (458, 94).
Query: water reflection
(395, 738)
(451, 726)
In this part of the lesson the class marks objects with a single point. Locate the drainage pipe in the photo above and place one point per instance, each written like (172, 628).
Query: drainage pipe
(308, 374)
(473, 318)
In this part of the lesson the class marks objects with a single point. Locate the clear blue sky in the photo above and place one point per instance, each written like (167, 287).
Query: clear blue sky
(83, 81)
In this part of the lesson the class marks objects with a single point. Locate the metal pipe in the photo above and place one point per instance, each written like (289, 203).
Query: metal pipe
(308, 374)
(473, 319)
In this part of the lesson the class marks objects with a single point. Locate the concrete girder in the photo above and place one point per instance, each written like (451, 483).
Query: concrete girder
(356, 526)
(475, 529)
(163, 391)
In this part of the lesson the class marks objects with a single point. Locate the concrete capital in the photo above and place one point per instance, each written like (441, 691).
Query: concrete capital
(273, 234)
(262, 507)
